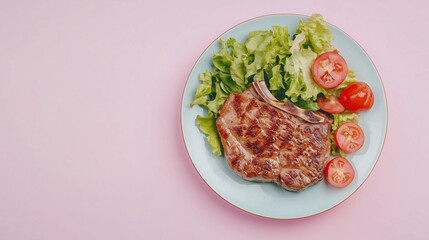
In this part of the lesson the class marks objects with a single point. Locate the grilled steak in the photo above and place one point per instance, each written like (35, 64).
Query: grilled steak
(269, 141)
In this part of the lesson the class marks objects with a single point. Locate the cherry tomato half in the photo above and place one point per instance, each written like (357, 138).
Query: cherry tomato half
(330, 104)
(349, 137)
(329, 69)
(357, 96)
(339, 172)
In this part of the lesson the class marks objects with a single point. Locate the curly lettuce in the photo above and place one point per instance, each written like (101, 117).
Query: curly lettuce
(208, 126)
(283, 62)
(317, 34)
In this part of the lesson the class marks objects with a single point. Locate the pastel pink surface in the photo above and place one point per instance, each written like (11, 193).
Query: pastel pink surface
(91, 146)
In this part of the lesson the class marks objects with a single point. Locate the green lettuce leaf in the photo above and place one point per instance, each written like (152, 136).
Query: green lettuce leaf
(265, 50)
(258, 41)
(238, 49)
(300, 80)
(281, 38)
(216, 104)
(292, 80)
(276, 79)
(238, 72)
(317, 34)
(203, 89)
(208, 126)
(222, 60)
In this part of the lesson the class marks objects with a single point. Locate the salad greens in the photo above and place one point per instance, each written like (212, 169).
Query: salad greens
(283, 61)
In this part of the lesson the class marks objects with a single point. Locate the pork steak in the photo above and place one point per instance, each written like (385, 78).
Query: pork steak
(268, 141)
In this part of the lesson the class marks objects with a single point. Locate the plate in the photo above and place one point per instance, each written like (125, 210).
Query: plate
(268, 199)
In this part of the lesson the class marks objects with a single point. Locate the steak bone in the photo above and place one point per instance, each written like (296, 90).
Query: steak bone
(307, 115)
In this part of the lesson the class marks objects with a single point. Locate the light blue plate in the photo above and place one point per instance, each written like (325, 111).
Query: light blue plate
(268, 199)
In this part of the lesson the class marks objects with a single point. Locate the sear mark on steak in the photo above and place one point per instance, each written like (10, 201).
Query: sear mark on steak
(268, 141)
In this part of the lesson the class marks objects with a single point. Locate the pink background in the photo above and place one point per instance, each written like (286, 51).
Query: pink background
(91, 146)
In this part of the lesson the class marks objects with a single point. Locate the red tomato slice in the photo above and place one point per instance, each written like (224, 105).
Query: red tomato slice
(339, 172)
(330, 104)
(349, 137)
(329, 69)
(357, 97)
